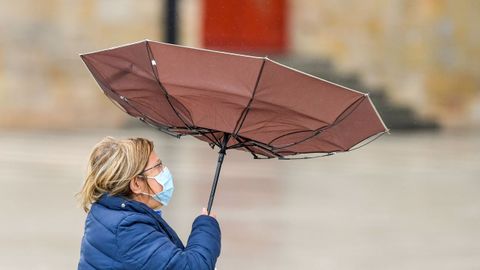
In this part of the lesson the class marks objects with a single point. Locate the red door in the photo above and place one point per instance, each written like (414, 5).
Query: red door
(256, 26)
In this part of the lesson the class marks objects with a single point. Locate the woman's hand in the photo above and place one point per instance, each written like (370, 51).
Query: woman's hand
(205, 212)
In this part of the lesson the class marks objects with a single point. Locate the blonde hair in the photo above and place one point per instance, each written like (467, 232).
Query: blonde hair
(112, 165)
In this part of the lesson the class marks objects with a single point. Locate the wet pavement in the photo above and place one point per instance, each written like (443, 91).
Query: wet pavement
(406, 201)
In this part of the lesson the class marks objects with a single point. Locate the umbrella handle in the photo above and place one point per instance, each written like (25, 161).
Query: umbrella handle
(221, 155)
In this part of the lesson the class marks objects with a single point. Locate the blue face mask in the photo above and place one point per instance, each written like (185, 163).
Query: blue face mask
(165, 179)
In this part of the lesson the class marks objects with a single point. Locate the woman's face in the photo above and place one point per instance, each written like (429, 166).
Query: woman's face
(150, 185)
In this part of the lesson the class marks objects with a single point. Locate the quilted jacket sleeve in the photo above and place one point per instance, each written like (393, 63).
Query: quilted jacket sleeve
(142, 246)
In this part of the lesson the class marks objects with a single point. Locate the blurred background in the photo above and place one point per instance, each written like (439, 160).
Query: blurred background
(407, 201)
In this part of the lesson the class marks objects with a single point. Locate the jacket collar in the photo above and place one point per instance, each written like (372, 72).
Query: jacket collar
(126, 204)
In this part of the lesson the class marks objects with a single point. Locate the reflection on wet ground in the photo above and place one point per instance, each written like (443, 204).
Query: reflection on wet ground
(406, 201)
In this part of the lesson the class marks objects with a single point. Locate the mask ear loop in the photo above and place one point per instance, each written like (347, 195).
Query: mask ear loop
(148, 185)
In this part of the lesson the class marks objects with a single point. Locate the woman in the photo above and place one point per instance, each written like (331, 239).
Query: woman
(126, 181)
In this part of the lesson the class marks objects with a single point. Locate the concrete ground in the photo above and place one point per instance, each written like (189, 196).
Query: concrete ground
(406, 201)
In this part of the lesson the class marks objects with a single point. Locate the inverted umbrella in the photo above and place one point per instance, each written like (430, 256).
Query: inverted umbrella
(234, 101)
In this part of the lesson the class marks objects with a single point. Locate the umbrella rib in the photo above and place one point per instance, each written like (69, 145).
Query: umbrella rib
(266, 149)
(167, 96)
(249, 142)
(167, 130)
(308, 138)
(354, 104)
(245, 111)
(322, 129)
(216, 142)
(374, 138)
(150, 121)
(246, 142)
(203, 133)
(105, 87)
(248, 148)
(279, 156)
(315, 132)
(387, 130)
(311, 157)
(160, 128)
(155, 74)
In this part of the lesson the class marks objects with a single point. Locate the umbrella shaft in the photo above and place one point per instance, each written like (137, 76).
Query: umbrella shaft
(221, 155)
(215, 181)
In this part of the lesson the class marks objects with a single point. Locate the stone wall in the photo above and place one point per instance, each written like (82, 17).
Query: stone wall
(43, 82)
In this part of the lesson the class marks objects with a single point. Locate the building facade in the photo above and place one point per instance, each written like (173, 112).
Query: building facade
(424, 53)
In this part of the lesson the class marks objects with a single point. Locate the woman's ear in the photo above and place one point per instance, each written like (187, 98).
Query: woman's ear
(136, 185)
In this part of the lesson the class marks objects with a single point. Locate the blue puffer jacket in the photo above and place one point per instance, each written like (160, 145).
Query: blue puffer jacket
(125, 234)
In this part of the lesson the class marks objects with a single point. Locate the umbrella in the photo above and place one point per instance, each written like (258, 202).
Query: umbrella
(234, 101)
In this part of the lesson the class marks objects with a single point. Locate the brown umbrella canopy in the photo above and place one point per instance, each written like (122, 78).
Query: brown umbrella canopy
(251, 103)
